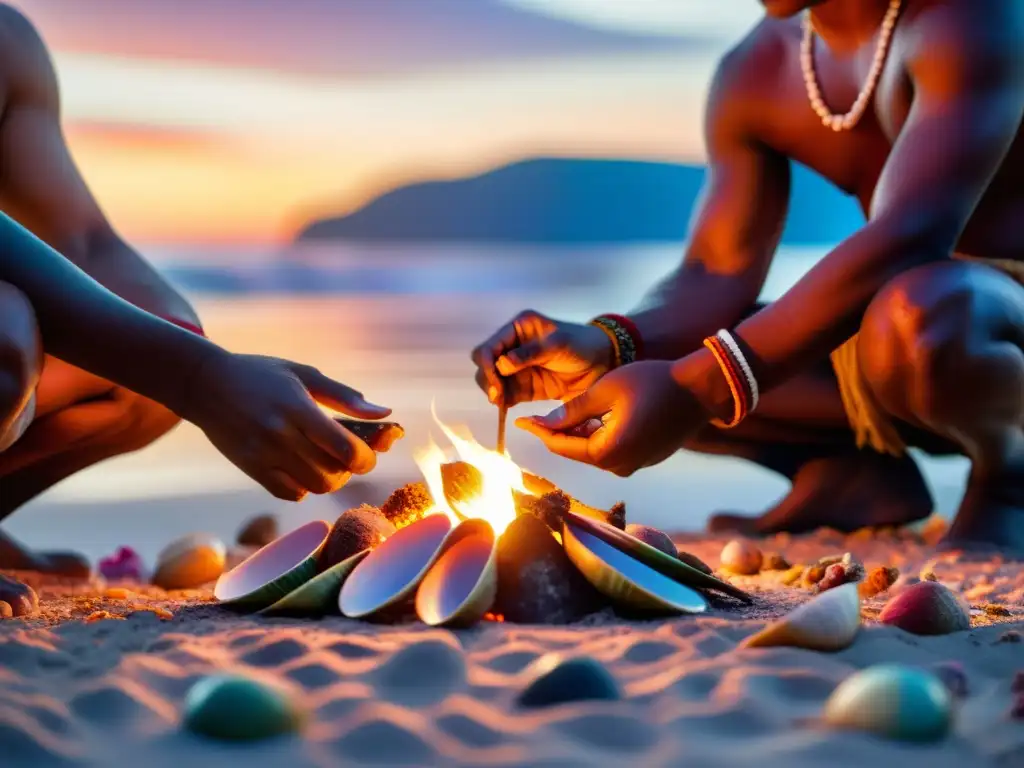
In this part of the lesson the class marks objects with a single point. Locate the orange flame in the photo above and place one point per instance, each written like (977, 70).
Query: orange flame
(501, 476)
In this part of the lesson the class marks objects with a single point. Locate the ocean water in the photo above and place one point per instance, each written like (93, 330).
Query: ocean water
(398, 322)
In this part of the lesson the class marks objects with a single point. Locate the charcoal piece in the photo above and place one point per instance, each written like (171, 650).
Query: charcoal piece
(537, 583)
(355, 530)
(615, 517)
(407, 504)
(379, 435)
(550, 508)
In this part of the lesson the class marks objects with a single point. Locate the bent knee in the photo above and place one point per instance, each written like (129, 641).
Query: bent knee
(916, 334)
(140, 421)
(21, 351)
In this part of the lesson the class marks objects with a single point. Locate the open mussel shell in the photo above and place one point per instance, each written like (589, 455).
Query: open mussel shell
(664, 564)
(623, 578)
(390, 574)
(461, 585)
(275, 570)
(319, 595)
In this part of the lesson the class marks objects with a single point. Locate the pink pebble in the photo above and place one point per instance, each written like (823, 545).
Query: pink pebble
(123, 565)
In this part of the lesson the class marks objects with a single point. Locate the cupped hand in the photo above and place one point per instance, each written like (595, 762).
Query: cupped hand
(536, 358)
(262, 414)
(634, 417)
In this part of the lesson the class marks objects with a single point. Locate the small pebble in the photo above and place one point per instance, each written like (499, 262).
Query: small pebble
(161, 613)
(190, 562)
(878, 581)
(6, 611)
(994, 609)
(556, 681)
(773, 561)
(835, 575)
(814, 574)
(741, 557)
(258, 531)
(101, 616)
(927, 608)
(793, 575)
(653, 537)
(953, 676)
(1017, 709)
(237, 708)
(118, 593)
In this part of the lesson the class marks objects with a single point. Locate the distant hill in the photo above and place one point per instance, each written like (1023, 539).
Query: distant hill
(562, 200)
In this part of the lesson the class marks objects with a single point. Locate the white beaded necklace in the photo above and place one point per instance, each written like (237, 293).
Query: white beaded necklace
(850, 119)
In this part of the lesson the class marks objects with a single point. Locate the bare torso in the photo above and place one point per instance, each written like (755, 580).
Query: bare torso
(853, 160)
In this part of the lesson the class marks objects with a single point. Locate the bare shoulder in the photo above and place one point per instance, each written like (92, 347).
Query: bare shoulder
(960, 27)
(25, 65)
(750, 71)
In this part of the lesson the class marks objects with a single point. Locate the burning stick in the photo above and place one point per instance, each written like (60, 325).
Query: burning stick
(540, 486)
(379, 435)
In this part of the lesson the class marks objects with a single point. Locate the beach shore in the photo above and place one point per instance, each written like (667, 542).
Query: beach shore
(85, 688)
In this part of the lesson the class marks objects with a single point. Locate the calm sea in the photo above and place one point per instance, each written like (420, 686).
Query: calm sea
(397, 321)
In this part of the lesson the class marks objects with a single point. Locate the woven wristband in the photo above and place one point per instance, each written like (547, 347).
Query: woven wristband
(627, 336)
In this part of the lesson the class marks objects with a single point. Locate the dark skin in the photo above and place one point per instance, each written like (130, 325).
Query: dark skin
(936, 165)
(80, 328)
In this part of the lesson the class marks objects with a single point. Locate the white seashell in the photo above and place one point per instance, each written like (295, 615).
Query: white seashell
(190, 562)
(741, 557)
(828, 622)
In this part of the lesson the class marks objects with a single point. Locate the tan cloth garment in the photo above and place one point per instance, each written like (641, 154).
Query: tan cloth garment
(871, 425)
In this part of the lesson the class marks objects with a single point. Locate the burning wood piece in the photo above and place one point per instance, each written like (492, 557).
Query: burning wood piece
(407, 504)
(615, 517)
(461, 482)
(379, 435)
(537, 583)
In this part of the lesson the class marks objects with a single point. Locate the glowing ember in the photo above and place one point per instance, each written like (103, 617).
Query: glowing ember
(501, 476)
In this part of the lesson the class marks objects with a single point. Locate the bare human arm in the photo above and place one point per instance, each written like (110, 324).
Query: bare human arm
(737, 225)
(967, 71)
(42, 188)
(734, 236)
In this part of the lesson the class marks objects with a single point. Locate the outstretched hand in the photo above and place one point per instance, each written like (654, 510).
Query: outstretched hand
(262, 414)
(634, 417)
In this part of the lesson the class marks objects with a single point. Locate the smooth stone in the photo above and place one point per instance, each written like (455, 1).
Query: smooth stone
(6, 611)
(557, 681)
(927, 608)
(741, 557)
(236, 708)
(653, 537)
(190, 562)
(537, 582)
(892, 700)
(258, 531)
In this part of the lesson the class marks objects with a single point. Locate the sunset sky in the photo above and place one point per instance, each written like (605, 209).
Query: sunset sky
(233, 121)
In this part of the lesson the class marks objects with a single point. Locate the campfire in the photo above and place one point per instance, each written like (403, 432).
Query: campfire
(480, 538)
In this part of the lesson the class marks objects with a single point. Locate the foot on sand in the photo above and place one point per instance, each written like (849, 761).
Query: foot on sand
(21, 598)
(991, 517)
(846, 492)
(15, 557)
